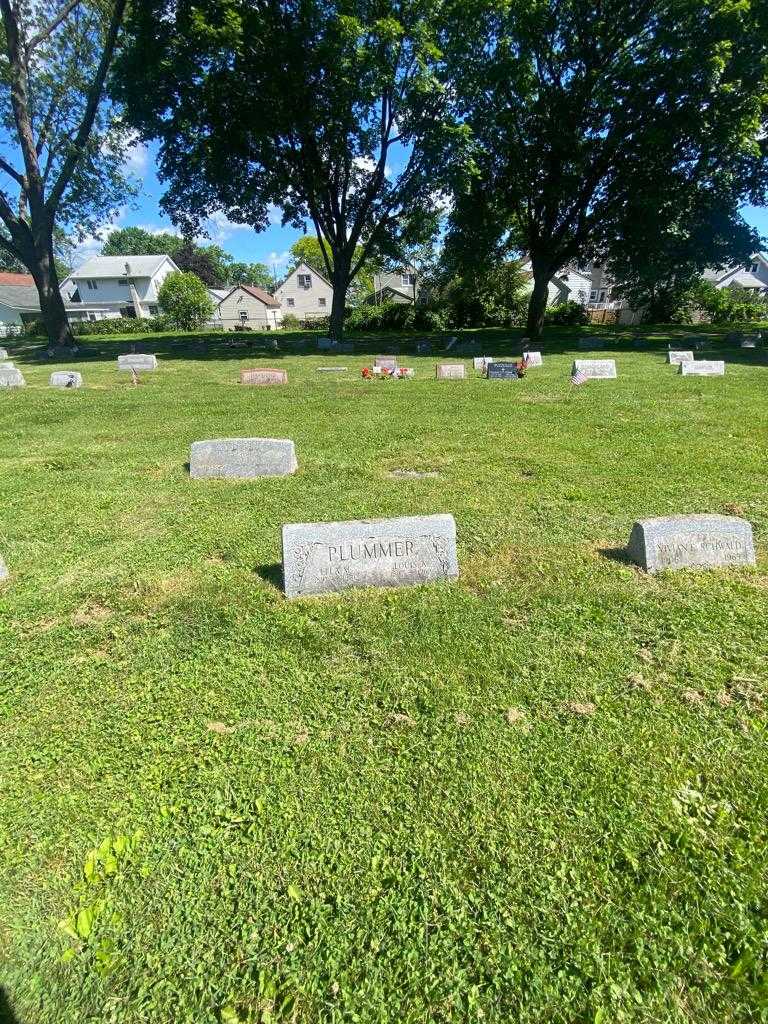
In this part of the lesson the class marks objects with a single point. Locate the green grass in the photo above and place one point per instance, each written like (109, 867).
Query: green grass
(537, 794)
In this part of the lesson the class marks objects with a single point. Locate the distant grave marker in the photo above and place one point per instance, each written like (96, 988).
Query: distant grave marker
(326, 344)
(66, 379)
(677, 356)
(595, 369)
(423, 348)
(451, 371)
(481, 362)
(10, 377)
(533, 358)
(263, 377)
(703, 368)
(4, 574)
(321, 558)
(590, 344)
(385, 362)
(332, 369)
(502, 371)
(138, 361)
(3, 353)
(750, 341)
(689, 542)
(242, 458)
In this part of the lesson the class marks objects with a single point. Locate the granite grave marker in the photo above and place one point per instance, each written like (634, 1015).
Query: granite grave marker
(677, 356)
(687, 542)
(703, 368)
(66, 379)
(138, 361)
(533, 358)
(502, 371)
(242, 458)
(10, 377)
(450, 371)
(596, 369)
(263, 377)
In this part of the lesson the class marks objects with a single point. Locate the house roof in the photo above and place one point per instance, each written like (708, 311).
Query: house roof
(114, 266)
(256, 293)
(19, 296)
(303, 268)
(23, 279)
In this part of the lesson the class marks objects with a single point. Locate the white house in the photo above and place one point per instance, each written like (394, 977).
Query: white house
(396, 286)
(245, 305)
(111, 286)
(305, 293)
(752, 277)
(569, 285)
(19, 302)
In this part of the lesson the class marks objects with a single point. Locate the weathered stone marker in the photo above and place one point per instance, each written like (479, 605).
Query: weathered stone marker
(448, 371)
(3, 353)
(386, 362)
(66, 379)
(703, 368)
(750, 341)
(137, 361)
(332, 369)
(324, 557)
(533, 358)
(481, 362)
(10, 377)
(590, 344)
(596, 369)
(263, 377)
(423, 347)
(242, 458)
(502, 371)
(689, 542)
(326, 344)
(675, 357)
(3, 569)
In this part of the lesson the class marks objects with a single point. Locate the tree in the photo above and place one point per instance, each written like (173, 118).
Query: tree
(577, 109)
(195, 260)
(140, 242)
(251, 273)
(185, 300)
(343, 88)
(308, 249)
(67, 148)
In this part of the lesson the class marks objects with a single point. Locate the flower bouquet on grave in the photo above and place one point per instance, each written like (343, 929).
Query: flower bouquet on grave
(522, 366)
(367, 373)
(403, 372)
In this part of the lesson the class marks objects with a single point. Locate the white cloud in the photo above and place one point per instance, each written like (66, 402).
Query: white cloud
(274, 214)
(137, 158)
(279, 259)
(218, 226)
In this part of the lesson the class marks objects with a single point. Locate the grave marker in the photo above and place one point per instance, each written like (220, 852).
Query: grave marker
(703, 368)
(688, 542)
(3, 353)
(450, 371)
(137, 361)
(423, 348)
(502, 371)
(10, 377)
(326, 344)
(481, 362)
(242, 458)
(385, 362)
(677, 356)
(533, 358)
(595, 369)
(590, 344)
(263, 377)
(750, 341)
(332, 369)
(66, 379)
(3, 569)
(321, 558)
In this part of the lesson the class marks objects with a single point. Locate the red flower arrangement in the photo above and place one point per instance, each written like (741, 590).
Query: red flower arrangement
(367, 373)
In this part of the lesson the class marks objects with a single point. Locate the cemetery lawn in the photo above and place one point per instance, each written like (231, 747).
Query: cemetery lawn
(537, 794)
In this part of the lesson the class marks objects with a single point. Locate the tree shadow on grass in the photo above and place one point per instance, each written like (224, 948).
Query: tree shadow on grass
(7, 1016)
(272, 574)
(620, 555)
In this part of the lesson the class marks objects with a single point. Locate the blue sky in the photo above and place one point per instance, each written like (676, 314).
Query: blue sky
(269, 246)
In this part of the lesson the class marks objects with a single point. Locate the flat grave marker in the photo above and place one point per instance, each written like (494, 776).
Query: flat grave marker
(691, 542)
(596, 369)
(703, 368)
(10, 377)
(385, 362)
(533, 358)
(332, 369)
(677, 356)
(450, 371)
(750, 341)
(242, 458)
(137, 361)
(481, 362)
(66, 379)
(3, 353)
(321, 558)
(590, 344)
(263, 377)
(3, 569)
(502, 371)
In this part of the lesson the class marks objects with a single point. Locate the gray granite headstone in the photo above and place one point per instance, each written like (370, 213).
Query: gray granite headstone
(3, 353)
(10, 377)
(590, 344)
(448, 371)
(386, 362)
(66, 379)
(750, 342)
(7, 365)
(502, 370)
(703, 368)
(137, 361)
(596, 369)
(326, 557)
(533, 358)
(687, 542)
(481, 362)
(332, 369)
(3, 570)
(242, 458)
(677, 356)
(263, 377)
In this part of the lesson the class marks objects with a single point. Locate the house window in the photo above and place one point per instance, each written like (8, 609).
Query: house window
(305, 280)
(91, 285)
(593, 296)
(153, 310)
(291, 302)
(752, 268)
(243, 315)
(408, 279)
(321, 302)
(92, 317)
(123, 281)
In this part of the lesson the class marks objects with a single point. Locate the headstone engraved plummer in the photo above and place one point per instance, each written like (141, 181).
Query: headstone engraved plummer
(703, 368)
(319, 558)
(242, 458)
(502, 371)
(449, 371)
(263, 377)
(687, 542)
(675, 357)
(596, 369)
(10, 377)
(66, 379)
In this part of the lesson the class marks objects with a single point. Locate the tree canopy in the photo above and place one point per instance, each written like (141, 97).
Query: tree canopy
(184, 299)
(351, 132)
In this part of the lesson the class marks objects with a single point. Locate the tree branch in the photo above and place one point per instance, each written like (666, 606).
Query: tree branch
(52, 25)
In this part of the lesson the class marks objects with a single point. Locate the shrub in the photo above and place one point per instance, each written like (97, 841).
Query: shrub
(120, 325)
(317, 323)
(185, 301)
(290, 322)
(568, 313)
(389, 316)
(35, 329)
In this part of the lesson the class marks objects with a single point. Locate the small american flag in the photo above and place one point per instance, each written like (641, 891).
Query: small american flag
(579, 377)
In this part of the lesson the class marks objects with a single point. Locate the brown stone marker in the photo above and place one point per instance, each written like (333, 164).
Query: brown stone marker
(263, 377)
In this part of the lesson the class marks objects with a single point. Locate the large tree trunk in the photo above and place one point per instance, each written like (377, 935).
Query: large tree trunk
(537, 304)
(340, 281)
(52, 310)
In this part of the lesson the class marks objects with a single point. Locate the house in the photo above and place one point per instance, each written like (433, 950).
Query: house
(395, 286)
(305, 293)
(752, 277)
(106, 287)
(19, 302)
(569, 285)
(245, 305)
